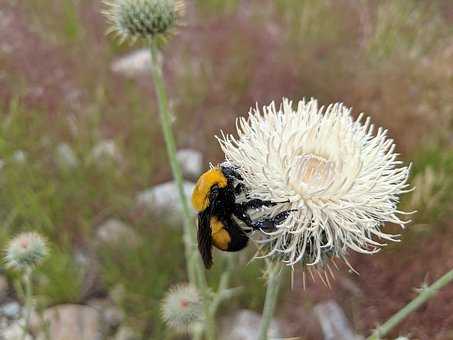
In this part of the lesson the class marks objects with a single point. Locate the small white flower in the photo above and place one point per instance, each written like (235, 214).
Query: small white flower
(339, 177)
(26, 250)
(181, 308)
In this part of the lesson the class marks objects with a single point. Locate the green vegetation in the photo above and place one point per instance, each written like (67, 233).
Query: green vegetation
(139, 275)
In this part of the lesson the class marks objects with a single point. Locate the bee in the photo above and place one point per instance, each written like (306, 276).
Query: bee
(214, 199)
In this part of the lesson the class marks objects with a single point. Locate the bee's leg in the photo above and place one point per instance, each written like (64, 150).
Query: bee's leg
(256, 204)
(262, 224)
(240, 210)
(270, 223)
(239, 188)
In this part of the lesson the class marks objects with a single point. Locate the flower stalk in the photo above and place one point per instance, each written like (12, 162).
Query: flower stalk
(274, 271)
(194, 265)
(165, 121)
(23, 254)
(425, 295)
(28, 301)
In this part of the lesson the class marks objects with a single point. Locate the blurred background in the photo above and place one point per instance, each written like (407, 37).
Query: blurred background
(82, 158)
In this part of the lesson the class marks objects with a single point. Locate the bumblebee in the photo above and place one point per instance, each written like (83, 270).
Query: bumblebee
(214, 199)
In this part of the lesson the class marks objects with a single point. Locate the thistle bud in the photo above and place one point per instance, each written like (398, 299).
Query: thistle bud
(135, 19)
(181, 307)
(26, 250)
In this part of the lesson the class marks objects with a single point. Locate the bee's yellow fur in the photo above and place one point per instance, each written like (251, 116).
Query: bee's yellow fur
(220, 237)
(200, 196)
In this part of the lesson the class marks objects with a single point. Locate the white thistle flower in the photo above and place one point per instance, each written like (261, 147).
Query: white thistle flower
(181, 308)
(339, 177)
(26, 250)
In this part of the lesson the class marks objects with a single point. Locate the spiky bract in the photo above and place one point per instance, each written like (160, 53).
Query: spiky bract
(26, 250)
(182, 307)
(134, 19)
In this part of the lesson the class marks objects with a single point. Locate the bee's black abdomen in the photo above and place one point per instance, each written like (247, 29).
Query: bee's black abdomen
(238, 242)
(239, 239)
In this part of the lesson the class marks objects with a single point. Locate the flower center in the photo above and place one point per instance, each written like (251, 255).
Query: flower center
(184, 303)
(315, 172)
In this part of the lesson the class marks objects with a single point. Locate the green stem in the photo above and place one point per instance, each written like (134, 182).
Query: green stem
(197, 335)
(424, 296)
(28, 302)
(272, 288)
(223, 285)
(194, 265)
(165, 121)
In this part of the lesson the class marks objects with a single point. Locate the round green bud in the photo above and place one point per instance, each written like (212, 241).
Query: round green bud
(181, 308)
(134, 19)
(26, 250)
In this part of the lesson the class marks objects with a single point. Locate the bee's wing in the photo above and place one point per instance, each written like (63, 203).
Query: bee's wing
(205, 238)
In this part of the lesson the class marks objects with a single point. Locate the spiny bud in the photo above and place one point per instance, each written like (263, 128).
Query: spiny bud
(134, 19)
(26, 250)
(181, 307)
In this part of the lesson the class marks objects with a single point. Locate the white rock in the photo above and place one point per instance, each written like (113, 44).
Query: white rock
(191, 162)
(104, 151)
(333, 322)
(244, 325)
(133, 64)
(14, 331)
(114, 231)
(164, 199)
(65, 156)
(10, 310)
(72, 322)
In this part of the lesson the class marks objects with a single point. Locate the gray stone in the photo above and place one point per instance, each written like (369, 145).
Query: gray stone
(114, 231)
(10, 310)
(244, 325)
(164, 199)
(14, 331)
(133, 64)
(333, 322)
(191, 162)
(71, 322)
(65, 156)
